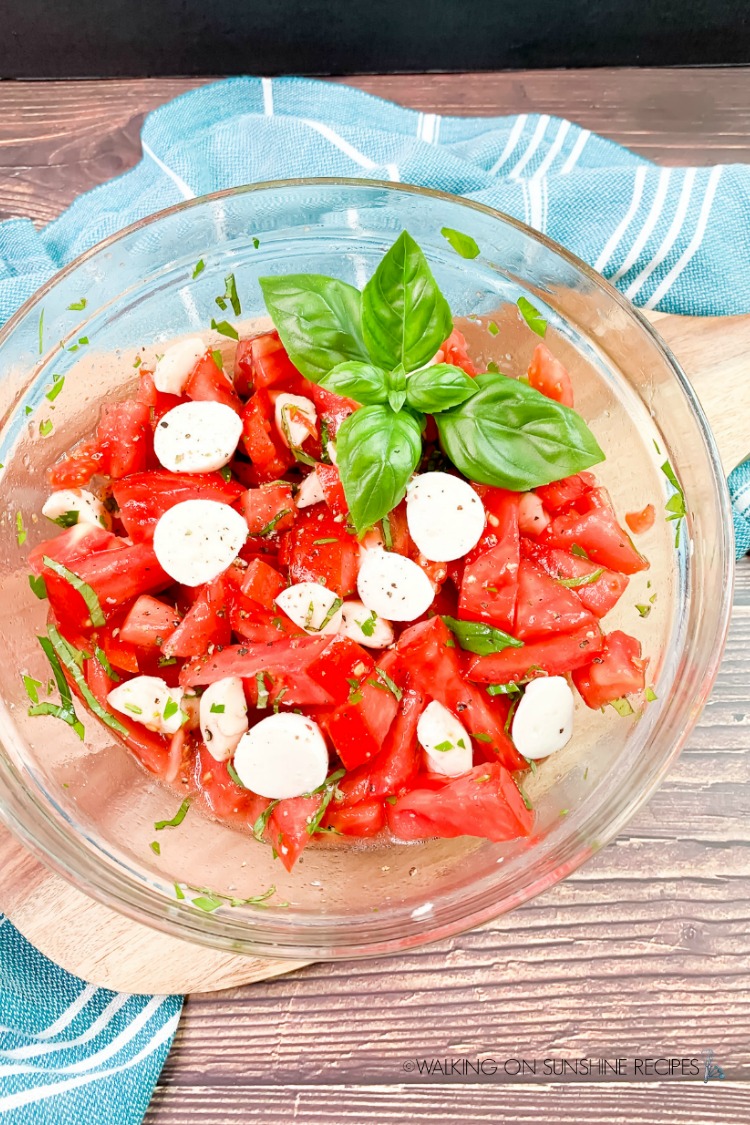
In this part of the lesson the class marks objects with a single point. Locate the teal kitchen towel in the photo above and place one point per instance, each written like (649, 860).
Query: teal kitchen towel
(676, 239)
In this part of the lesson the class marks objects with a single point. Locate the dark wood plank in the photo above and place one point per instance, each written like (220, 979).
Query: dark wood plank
(643, 952)
(58, 139)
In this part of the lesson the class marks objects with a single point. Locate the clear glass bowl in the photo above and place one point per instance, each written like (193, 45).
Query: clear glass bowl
(88, 810)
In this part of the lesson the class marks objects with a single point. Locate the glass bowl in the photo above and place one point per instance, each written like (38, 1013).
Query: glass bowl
(88, 810)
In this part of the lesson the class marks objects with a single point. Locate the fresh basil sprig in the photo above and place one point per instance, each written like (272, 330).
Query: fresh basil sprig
(476, 636)
(439, 388)
(318, 319)
(377, 452)
(363, 382)
(510, 435)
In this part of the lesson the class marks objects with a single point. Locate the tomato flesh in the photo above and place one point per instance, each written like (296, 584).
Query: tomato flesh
(617, 670)
(548, 376)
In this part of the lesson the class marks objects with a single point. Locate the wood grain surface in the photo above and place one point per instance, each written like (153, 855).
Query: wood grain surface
(643, 953)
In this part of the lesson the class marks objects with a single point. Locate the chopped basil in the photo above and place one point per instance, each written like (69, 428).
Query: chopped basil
(260, 680)
(78, 306)
(524, 798)
(279, 696)
(20, 530)
(623, 707)
(219, 708)
(256, 242)
(46, 427)
(137, 361)
(391, 800)
(171, 708)
(155, 847)
(651, 695)
(234, 775)
(644, 610)
(218, 359)
(178, 892)
(226, 473)
(41, 331)
(101, 656)
(133, 708)
(32, 687)
(38, 586)
(583, 580)
(67, 519)
(83, 588)
(230, 295)
(335, 606)
(463, 244)
(675, 505)
(65, 710)
(393, 688)
(261, 823)
(368, 625)
(209, 903)
(58, 382)
(271, 525)
(503, 689)
(475, 636)
(578, 551)
(328, 789)
(200, 265)
(225, 329)
(444, 746)
(177, 819)
(387, 536)
(164, 661)
(482, 736)
(532, 316)
(320, 542)
(297, 452)
(532, 765)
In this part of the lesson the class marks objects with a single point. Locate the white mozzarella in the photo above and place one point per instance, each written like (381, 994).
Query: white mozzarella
(543, 720)
(445, 516)
(282, 756)
(292, 431)
(89, 508)
(223, 716)
(331, 451)
(197, 540)
(445, 741)
(313, 607)
(310, 491)
(176, 366)
(532, 517)
(197, 437)
(149, 700)
(364, 626)
(393, 587)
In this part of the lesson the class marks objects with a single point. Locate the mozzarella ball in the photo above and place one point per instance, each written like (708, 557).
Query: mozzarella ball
(393, 587)
(445, 741)
(310, 491)
(87, 507)
(543, 720)
(197, 540)
(445, 516)
(197, 437)
(149, 700)
(223, 716)
(360, 624)
(294, 432)
(282, 756)
(313, 607)
(177, 364)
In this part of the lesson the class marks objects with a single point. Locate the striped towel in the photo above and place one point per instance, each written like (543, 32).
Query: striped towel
(676, 239)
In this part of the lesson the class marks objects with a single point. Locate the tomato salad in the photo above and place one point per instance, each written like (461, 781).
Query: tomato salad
(347, 588)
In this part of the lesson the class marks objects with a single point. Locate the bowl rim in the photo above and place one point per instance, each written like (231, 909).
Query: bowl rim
(128, 895)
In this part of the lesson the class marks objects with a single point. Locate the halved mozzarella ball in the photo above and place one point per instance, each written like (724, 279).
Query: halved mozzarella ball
(360, 624)
(197, 540)
(445, 516)
(445, 741)
(88, 508)
(543, 721)
(393, 587)
(310, 491)
(223, 716)
(294, 432)
(176, 366)
(282, 756)
(149, 700)
(313, 607)
(197, 437)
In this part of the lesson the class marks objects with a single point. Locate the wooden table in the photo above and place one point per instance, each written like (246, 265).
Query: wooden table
(643, 953)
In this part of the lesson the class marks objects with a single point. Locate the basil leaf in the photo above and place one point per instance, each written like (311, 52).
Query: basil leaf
(510, 435)
(405, 317)
(532, 316)
(377, 451)
(463, 244)
(439, 388)
(363, 382)
(318, 319)
(396, 382)
(475, 636)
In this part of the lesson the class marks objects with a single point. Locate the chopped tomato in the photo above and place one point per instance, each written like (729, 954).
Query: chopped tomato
(397, 763)
(397, 537)
(262, 361)
(358, 727)
(616, 671)
(455, 350)
(362, 820)
(322, 550)
(548, 376)
(227, 800)
(598, 596)
(288, 655)
(490, 577)
(117, 576)
(341, 667)
(149, 622)
(638, 522)
(269, 509)
(591, 524)
(559, 495)
(151, 750)
(124, 438)
(553, 656)
(206, 623)
(262, 441)
(332, 409)
(544, 606)
(78, 467)
(75, 543)
(261, 583)
(143, 498)
(484, 802)
(287, 827)
(333, 489)
(118, 651)
(208, 383)
(533, 517)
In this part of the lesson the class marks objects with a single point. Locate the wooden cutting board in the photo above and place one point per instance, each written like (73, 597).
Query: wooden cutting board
(110, 950)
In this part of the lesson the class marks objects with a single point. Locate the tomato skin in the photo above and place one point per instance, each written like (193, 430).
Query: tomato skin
(592, 525)
(147, 620)
(261, 583)
(548, 376)
(208, 383)
(490, 575)
(484, 802)
(286, 830)
(262, 441)
(333, 489)
(598, 597)
(118, 576)
(334, 564)
(341, 661)
(362, 820)
(544, 606)
(206, 623)
(227, 800)
(287, 655)
(332, 409)
(642, 521)
(554, 655)
(559, 495)
(78, 467)
(618, 670)
(74, 543)
(261, 506)
(397, 764)
(262, 361)
(124, 438)
(143, 498)
(455, 350)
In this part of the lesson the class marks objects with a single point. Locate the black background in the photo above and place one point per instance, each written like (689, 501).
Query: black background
(72, 38)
